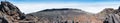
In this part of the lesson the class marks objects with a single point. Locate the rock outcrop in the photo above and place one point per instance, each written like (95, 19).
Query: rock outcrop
(110, 15)
(11, 14)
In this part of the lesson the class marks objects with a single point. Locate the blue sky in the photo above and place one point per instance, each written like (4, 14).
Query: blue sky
(61, 1)
(64, 0)
(93, 6)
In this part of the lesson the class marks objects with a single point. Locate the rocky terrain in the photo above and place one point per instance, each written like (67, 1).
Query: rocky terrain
(9, 13)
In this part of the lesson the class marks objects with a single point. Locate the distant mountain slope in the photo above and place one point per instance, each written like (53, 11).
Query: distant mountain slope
(60, 12)
(66, 15)
(61, 15)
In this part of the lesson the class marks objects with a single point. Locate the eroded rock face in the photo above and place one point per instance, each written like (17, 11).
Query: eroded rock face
(5, 12)
(11, 14)
(110, 15)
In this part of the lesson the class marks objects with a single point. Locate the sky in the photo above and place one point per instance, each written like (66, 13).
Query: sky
(93, 6)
